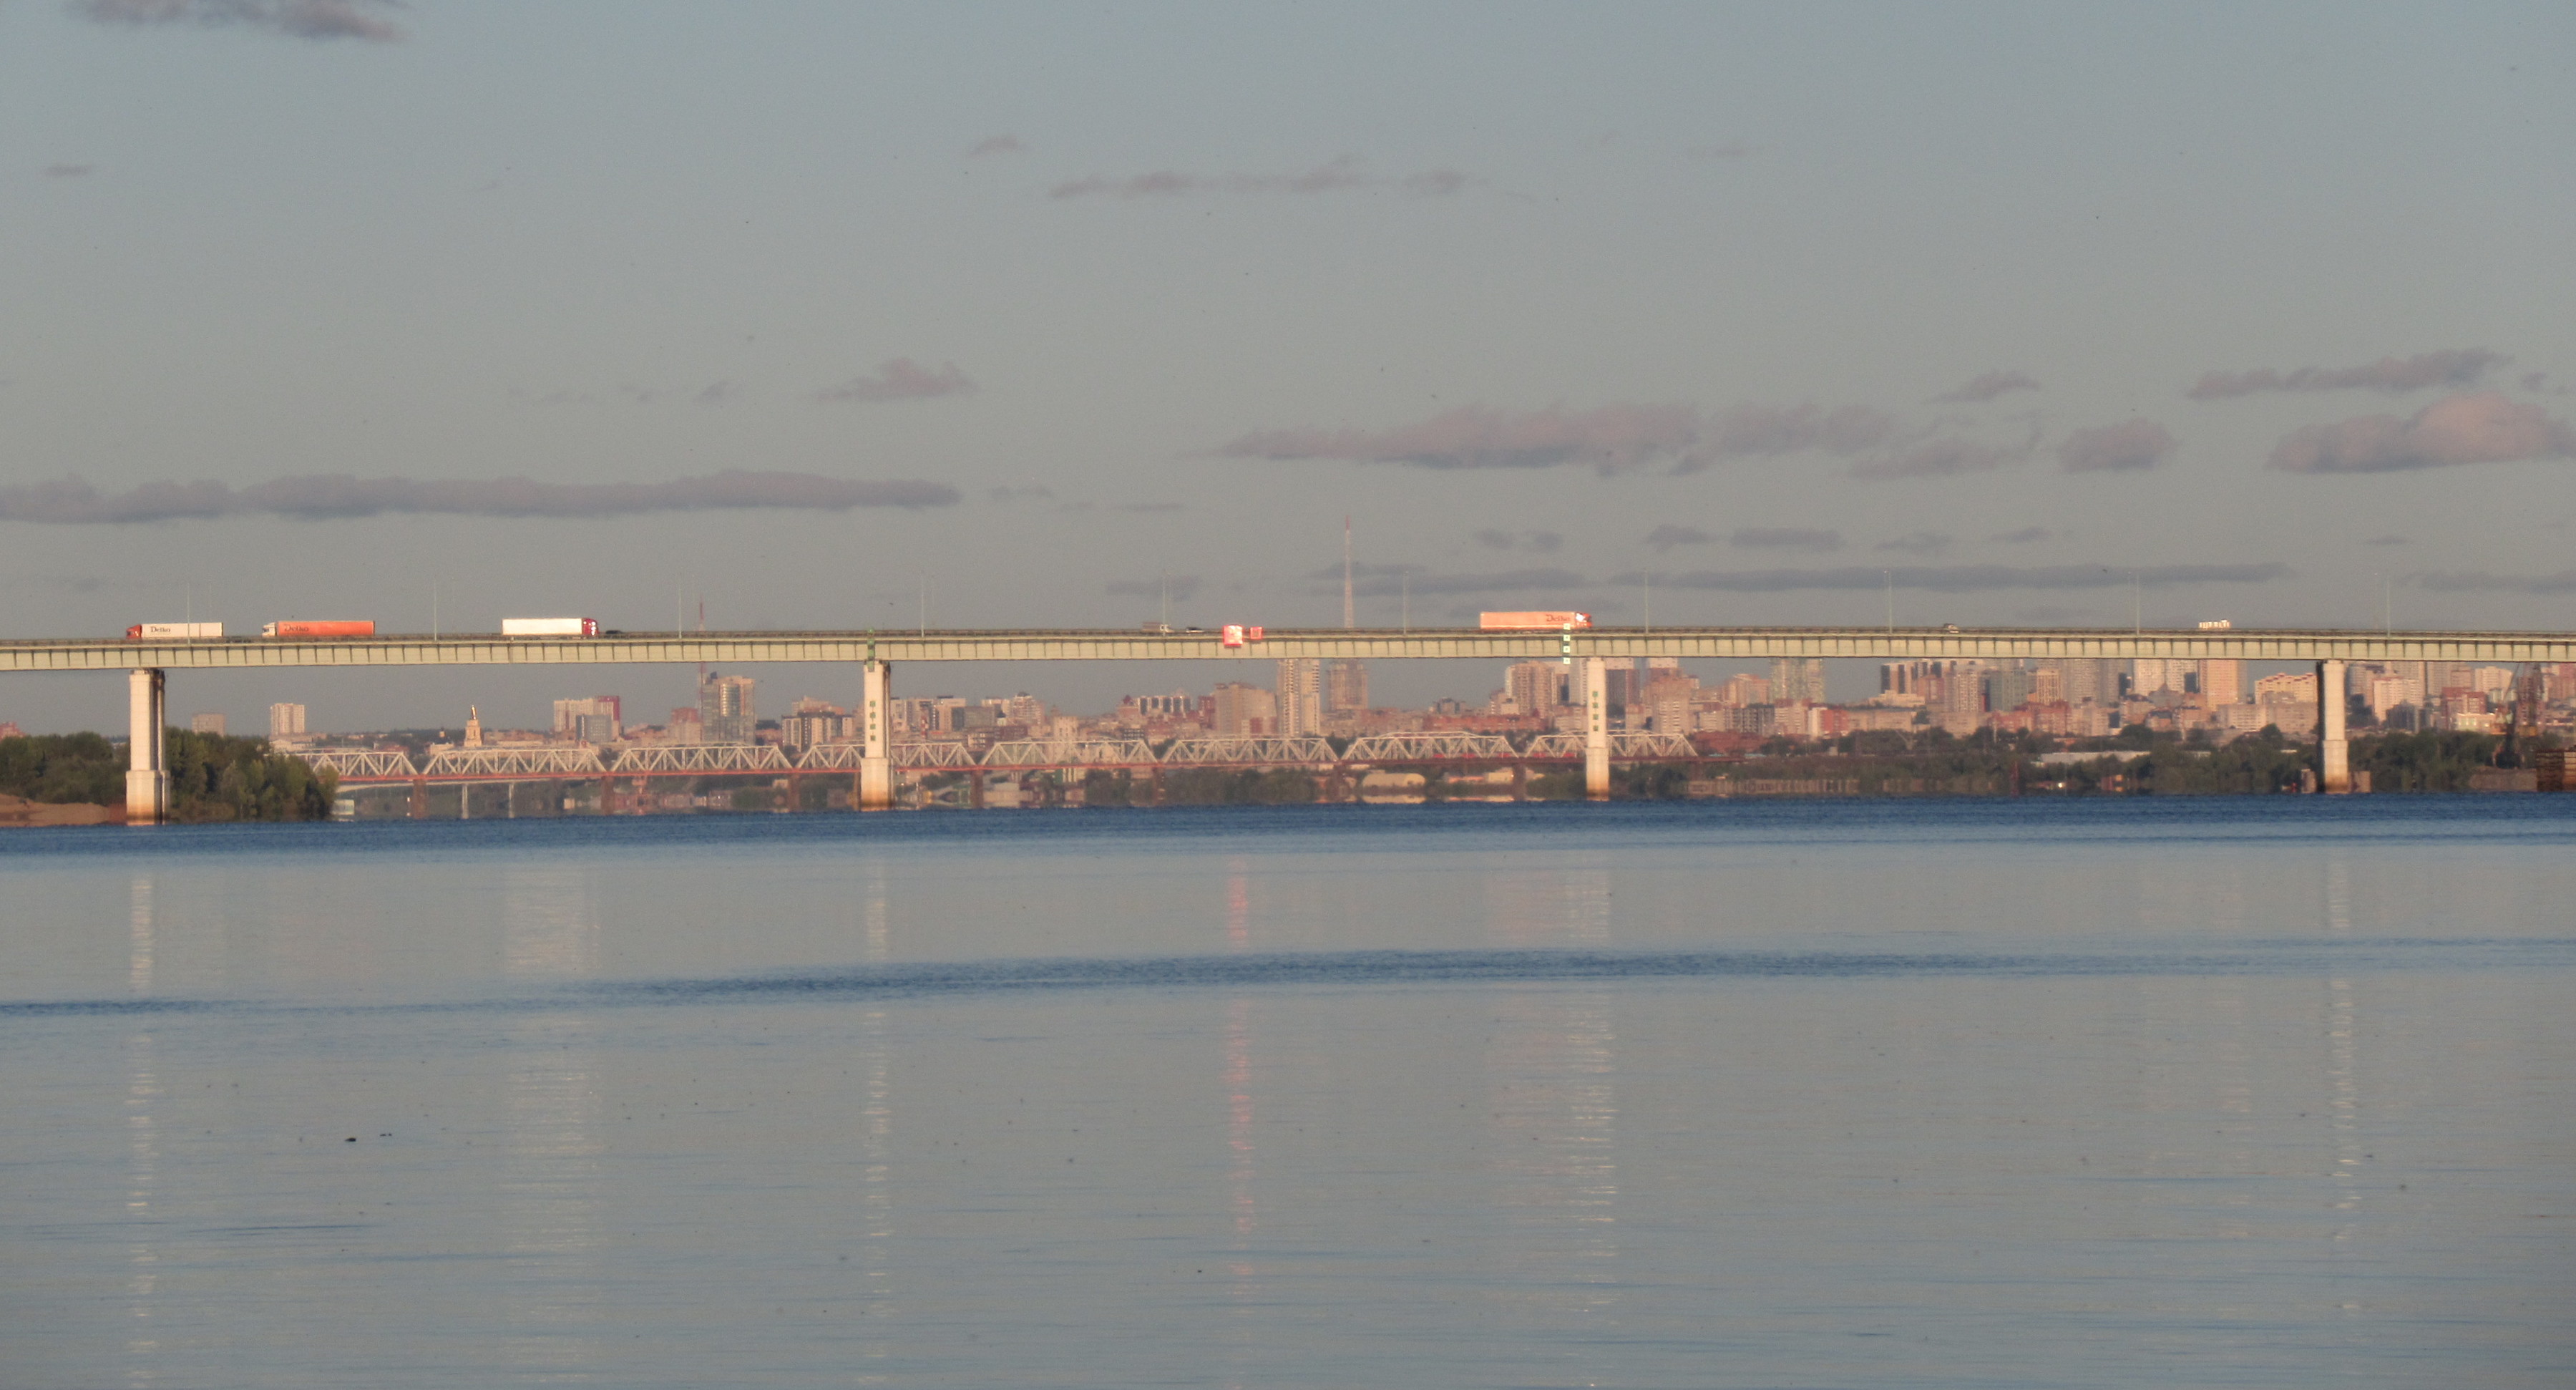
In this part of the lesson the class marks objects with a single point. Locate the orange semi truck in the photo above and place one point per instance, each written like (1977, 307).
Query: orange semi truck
(1511, 622)
(321, 627)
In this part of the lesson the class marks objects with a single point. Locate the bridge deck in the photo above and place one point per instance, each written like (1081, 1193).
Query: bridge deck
(1739, 643)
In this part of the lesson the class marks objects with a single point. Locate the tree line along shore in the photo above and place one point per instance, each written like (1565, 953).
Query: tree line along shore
(212, 778)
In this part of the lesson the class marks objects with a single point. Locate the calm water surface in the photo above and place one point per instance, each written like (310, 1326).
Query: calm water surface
(2212, 1092)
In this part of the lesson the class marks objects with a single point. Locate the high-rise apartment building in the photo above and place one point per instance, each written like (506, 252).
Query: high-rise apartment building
(2222, 682)
(598, 719)
(2010, 686)
(1667, 700)
(1798, 678)
(724, 709)
(2149, 674)
(286, 721)
(206, 724)
(1300, 698)
(1535, 687)
(2287, 688)
(1961, 704)
(1244, 711)
(2085, 678)
(1346, 686)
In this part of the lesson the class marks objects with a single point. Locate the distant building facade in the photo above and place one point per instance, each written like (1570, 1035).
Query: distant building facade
(1300, 697)
(725, 710)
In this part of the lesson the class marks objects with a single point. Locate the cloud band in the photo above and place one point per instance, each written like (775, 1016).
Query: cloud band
(337, 497)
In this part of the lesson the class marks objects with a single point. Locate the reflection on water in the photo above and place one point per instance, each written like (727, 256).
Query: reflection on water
(1536, 1107)
(550, 1177)
(876, 1148)
(549, 924)
(1554, 1107)
(143, 1170)
(143, 1158)
(2343, 1100)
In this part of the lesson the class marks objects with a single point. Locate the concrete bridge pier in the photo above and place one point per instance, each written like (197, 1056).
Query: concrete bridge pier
(147, 769)
(1596, 728)
(876, 754)
(2334, 753)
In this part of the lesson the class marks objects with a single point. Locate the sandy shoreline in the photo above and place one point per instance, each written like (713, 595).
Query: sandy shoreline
(17, 811)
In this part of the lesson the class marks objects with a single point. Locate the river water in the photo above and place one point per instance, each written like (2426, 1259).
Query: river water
(2114, 1093)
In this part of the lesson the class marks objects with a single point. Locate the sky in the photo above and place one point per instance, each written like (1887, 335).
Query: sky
(830, 315)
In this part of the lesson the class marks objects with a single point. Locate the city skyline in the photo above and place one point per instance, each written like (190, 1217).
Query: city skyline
(434, 316)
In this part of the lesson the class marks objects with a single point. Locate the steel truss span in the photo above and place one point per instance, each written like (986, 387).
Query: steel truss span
(1720, 643)
(1439, 746)
(357, 767)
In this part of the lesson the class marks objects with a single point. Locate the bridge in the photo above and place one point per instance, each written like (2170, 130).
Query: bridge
(149, 661)
(386, 767)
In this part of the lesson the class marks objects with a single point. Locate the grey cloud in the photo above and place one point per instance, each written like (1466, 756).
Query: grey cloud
(1785, 538)
(1180, 586)
(901, 380)
(1608, 439)
(1386, 581)
(339, 497)
(2024, 536)
(2391, 539)
(1151, 507)
(1961, 579)
(1917, 543)
(2049, 614)
(2480, 427)
(2451, 367)
(1032, 491)
(1666, 536)
(70, 171)
(2120, 448)
(1990, 385)
(998, 144)
(2480, 581)
(303, 19)
(1729, 150)
(718, 393)
(1347, 173)
(1766, 431)
(1536, 542)
(1948, 456)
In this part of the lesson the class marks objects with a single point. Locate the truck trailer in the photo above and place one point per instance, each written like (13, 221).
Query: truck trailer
(550, 627)
(1512, 622)
(163, 632)
(321, 627)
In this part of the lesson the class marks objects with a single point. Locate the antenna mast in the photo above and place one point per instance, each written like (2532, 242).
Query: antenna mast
(1350, 616)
